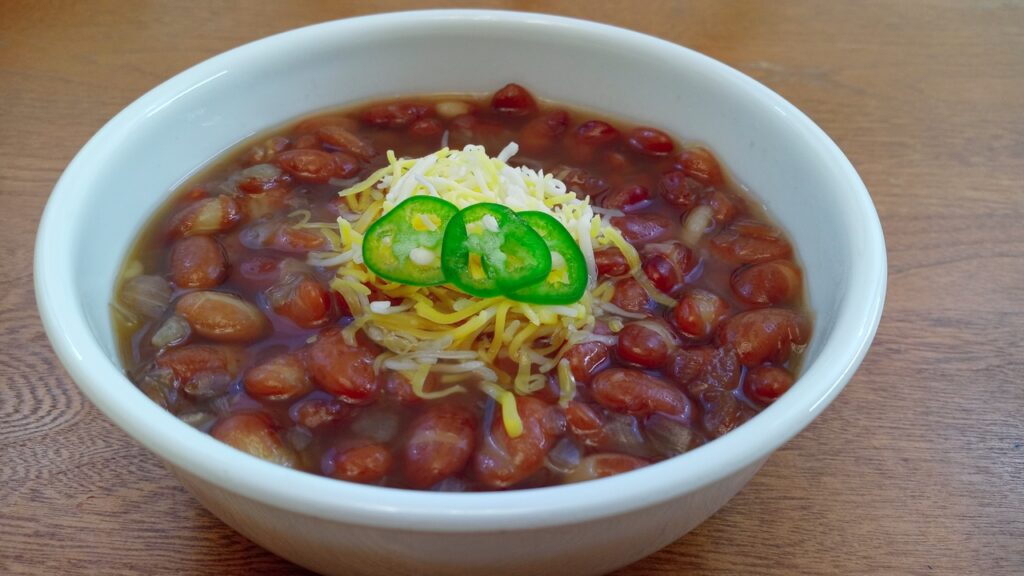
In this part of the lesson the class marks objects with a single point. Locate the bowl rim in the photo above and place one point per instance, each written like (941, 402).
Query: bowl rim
(199, 454)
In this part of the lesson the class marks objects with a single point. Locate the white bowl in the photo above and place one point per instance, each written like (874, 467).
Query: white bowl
(129, 167)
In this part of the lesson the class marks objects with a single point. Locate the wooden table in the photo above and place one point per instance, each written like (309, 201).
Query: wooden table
(917, 468)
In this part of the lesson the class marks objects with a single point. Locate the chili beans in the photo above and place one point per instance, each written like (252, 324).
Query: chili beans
(232, 313)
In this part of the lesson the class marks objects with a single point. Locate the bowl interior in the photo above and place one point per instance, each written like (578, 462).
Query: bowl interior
(131, 166)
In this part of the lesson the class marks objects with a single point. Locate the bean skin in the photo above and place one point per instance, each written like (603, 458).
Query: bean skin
(198, 262)
(501, 461)
(342, 369)
(255, 434)
(222, 317)
(766, 284)
(637, 393)
(441, 441)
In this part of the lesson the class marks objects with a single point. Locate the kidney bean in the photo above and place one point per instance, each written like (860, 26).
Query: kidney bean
(667, 266)
(255, 434)
(395, 385)
(283, 237)
(697, 368)
(342, 369)
(470, 129)
(396, 115)
(513, 100)
(146, 295)
(641, 344)
(611, 262)
(280, 378)
(339, 138)
(306, 142)
(586, 359)
(764, 384)
(631, 296)
(749, 243)
(198, 262)
(631, 198)
(701, 165)
(313, 166)
(637, 393)
(596, 133)
(650, 141)
(698, 313)
(302, 299)
(766, 284)
(346, 165)
(316, 412)
(678, 190)
(724, 206)
(603, 465)
(764, 335)
(441, 441)
(539, 134)
(722, 411)
(208, 216)
(222, 317)
(501, 461)
(189, 361)
(640, 229)
(364, 464)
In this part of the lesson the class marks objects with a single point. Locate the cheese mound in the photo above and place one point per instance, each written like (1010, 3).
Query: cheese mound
(503, 347)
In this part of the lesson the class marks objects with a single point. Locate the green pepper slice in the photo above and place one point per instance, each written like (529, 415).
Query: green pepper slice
(568, 278)
(490, 251)
(405, 244)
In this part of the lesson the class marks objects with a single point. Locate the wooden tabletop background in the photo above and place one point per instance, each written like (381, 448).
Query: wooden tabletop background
(917, 468)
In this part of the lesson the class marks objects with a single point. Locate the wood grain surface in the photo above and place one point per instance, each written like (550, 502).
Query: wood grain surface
(917, 468)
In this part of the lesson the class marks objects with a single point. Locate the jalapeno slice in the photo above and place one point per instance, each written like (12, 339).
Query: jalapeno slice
(567, 280)
(405, 244)
(490, 251)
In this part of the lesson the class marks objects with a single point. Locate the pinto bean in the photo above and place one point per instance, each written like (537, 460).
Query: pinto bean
(722, 411)
(698, 368)
(339, 138)
(766, 284)
(280, 378)
(611, 262)
(222, 317)
(198, 262)
(539, 134)
(631, 296)
(187, 362)
(255, 206)
(396, 115)
(603, 465)
(266, 151)
(147, 295)
(764, 335)
(583, 182)
(206, 216)
(650, 141)
(501, 461)
(302, 299)
(255, 434)
(698, 313)
(513, 100)
(764, 384)
(315, 412)
(640, 229)
(342, 369)
(637, 393)
(668, 265)
(630, 198)
(749, 242)
(584, 422)
(364, 464)
(596, 133)
(586, 359)
(678, 190)
(313, 166)
(701, 165)
(441, 441)
(642, 344)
